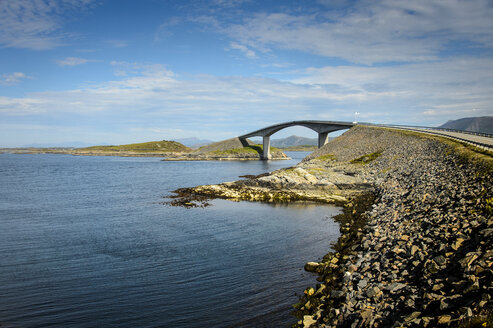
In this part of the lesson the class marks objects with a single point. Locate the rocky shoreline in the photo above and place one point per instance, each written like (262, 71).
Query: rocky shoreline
(416, 245)
(222, 157)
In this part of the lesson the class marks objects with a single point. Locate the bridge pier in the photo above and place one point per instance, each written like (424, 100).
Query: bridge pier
(266, 151)
(323, 138)
(323, 128)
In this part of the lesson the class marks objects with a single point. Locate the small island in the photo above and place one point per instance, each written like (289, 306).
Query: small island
(227, 150)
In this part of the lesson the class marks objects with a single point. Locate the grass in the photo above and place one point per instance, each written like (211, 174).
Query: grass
(489, 205)
(365, 159)
(479, 322)
(316, 170)
(327, 157)
(152, 146)
(252, 149)
(300, 148)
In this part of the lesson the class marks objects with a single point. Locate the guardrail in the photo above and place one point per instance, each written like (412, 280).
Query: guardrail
(488, 135)
(436, 131)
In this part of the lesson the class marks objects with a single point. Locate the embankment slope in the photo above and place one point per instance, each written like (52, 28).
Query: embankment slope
(420, 256)
(424, 256)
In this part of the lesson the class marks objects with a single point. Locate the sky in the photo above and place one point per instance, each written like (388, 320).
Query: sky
(120, 71)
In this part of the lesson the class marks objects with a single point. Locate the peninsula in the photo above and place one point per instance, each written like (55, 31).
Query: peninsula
(146, 149)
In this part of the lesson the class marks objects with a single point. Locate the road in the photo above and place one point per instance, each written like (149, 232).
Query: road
(480, 140)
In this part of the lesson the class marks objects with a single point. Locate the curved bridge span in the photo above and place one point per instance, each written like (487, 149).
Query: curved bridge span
(323, 128)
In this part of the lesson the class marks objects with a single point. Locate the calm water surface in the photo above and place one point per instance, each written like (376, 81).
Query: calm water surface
(85, 242)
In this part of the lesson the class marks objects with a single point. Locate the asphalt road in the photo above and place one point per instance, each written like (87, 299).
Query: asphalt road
(481, 141)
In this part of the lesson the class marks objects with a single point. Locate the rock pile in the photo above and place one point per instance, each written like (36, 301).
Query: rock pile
(424, 256)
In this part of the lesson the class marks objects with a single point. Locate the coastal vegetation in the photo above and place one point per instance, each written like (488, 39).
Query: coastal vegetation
(230, 149)
(299, 148)
(326, 157)
(253, 149)
(152, 146)
(365, 159)
(145, 149)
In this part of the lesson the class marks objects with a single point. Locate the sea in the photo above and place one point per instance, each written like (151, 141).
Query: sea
(87, 241)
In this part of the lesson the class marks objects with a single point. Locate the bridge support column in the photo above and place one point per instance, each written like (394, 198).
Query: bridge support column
(266, 150)
(323, 138)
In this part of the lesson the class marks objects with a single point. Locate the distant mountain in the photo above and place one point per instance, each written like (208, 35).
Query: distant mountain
(482, 124)
(194, 142)
(293, 141)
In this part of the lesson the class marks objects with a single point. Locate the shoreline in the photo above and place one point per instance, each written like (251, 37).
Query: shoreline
(419, 254)
(167, 156)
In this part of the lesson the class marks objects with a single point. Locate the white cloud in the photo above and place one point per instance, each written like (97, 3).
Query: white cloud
(247, 52)
(443, 88)
(372, 31)
(152, 97)
(73, 61)
(13, 78)
(35, 24)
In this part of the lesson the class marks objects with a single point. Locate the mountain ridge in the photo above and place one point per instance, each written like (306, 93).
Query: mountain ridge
(483, 124)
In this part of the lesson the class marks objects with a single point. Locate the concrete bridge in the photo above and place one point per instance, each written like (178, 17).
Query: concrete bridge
(323, 128)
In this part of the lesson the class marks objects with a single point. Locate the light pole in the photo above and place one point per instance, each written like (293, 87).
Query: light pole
(356, 117)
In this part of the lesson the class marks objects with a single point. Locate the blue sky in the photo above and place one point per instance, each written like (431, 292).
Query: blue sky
(120, 71)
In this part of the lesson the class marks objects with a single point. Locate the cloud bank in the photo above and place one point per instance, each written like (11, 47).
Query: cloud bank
(36, 25)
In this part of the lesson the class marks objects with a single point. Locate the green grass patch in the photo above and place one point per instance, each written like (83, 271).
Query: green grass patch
(252, 149)
(489, 205)
(365, 159)
(316, 170)
(152, 146)
(300, 148)
(327, 157)
(235, 151)
(478, 322)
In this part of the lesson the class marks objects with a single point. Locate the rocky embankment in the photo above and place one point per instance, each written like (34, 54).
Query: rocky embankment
(420, 256)
(424, 256)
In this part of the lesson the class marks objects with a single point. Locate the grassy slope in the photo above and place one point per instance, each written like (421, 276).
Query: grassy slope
(300, 148)
(152, 146)
(254, 149)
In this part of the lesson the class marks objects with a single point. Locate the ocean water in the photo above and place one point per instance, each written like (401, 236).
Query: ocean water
(87, 242)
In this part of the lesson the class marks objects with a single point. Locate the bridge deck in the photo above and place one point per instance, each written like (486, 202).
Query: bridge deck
(481, 140)
(323, 128)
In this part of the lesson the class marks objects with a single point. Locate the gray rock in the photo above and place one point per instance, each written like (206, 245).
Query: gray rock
(312, 266)
(362, 283)
(373, 292)
(337, 294)
(395, 286)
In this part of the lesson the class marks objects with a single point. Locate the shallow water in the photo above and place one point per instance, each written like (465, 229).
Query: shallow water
(86, 242)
